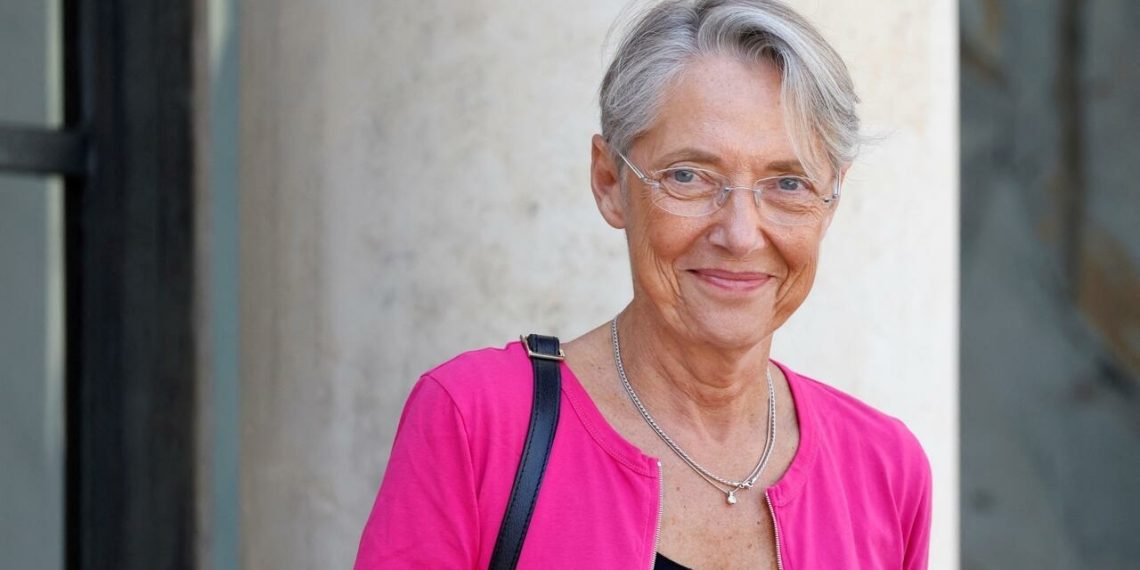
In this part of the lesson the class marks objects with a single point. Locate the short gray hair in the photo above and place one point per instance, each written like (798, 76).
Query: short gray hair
(817, 92)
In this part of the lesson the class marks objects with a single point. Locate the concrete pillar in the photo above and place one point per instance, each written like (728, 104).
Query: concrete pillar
(396, 160)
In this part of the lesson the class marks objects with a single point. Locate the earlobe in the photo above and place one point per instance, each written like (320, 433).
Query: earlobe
(605, 182)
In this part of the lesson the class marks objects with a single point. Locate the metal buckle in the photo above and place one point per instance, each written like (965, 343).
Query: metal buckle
(559, 358)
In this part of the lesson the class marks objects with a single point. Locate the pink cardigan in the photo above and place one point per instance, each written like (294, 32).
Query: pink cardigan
(856, 496)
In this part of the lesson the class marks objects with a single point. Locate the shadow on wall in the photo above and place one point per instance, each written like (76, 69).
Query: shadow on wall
(1050, 284)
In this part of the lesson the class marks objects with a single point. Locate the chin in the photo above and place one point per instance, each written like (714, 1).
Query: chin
(732, 329)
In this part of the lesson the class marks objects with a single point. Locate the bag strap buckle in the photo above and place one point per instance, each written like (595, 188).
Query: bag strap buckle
(541, 355)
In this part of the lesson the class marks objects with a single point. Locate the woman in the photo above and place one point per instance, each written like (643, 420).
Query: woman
(727, 128)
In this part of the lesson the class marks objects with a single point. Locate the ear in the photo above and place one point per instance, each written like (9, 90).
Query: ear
(842, 177)
(605, 181)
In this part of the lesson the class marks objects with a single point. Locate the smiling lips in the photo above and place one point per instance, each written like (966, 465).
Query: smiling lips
(739, 281)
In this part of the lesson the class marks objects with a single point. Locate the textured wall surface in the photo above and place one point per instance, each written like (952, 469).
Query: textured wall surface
(1050, 284)
(399, 163)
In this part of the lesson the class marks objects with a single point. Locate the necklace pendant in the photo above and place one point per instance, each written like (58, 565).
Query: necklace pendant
(731, 498)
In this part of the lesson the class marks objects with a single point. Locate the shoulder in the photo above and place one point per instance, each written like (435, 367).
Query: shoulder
(487, 382)
(862, 434)
(846, 415)
(473, 370)
(863, 461)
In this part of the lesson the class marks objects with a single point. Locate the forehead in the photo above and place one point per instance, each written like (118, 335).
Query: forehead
(726, 107)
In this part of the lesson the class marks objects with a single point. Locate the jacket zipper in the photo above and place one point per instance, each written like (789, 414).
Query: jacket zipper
(776, 530)
(660, 512)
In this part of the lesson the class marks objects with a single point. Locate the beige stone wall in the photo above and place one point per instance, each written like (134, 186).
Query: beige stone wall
(882, 321)
(414, 184)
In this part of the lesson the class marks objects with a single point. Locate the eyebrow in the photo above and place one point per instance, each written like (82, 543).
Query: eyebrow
(690, 153)
(790, 166)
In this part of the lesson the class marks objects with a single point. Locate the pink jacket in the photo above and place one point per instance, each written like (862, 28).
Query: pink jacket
(856, 496)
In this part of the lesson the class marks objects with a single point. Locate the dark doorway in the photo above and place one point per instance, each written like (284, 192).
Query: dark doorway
(123, 152)
(1050, 326)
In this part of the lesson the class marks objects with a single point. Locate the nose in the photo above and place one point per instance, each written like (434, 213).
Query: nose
(737, 228)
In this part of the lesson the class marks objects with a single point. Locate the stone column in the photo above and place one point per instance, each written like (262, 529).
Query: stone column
(398, 160)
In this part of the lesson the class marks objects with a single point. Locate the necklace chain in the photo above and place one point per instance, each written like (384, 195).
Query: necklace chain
(716, 481)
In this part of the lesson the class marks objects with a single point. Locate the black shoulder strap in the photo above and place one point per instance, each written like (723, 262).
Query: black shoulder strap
(545, 357)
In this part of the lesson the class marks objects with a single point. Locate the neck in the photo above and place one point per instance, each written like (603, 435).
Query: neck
(690, 382)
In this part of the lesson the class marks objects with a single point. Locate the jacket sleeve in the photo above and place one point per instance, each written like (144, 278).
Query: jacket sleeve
(917, 554)
(425, 514)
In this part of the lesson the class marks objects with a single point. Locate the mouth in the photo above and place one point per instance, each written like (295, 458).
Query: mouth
(737, 281)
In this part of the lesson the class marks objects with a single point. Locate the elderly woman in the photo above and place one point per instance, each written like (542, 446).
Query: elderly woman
(727, 128)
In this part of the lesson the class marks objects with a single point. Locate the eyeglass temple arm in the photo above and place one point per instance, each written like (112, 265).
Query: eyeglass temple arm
(835, 191)
(636, 171)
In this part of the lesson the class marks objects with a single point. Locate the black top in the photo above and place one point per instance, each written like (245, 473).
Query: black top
(663, 563)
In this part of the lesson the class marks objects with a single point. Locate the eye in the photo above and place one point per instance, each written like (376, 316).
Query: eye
(682, 176)
(791, 184)
(688, 183)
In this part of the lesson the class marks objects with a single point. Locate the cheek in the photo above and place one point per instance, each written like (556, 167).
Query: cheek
(670, 237)
(657, 240)
(802, 257)
(806, 254)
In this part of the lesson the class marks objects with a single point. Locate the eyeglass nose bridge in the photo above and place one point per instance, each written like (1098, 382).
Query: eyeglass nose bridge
(722, 196)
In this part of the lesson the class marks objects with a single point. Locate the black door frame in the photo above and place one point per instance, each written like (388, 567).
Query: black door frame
(126, 156)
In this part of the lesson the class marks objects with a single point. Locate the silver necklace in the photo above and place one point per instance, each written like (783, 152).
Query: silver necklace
(729, 487)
